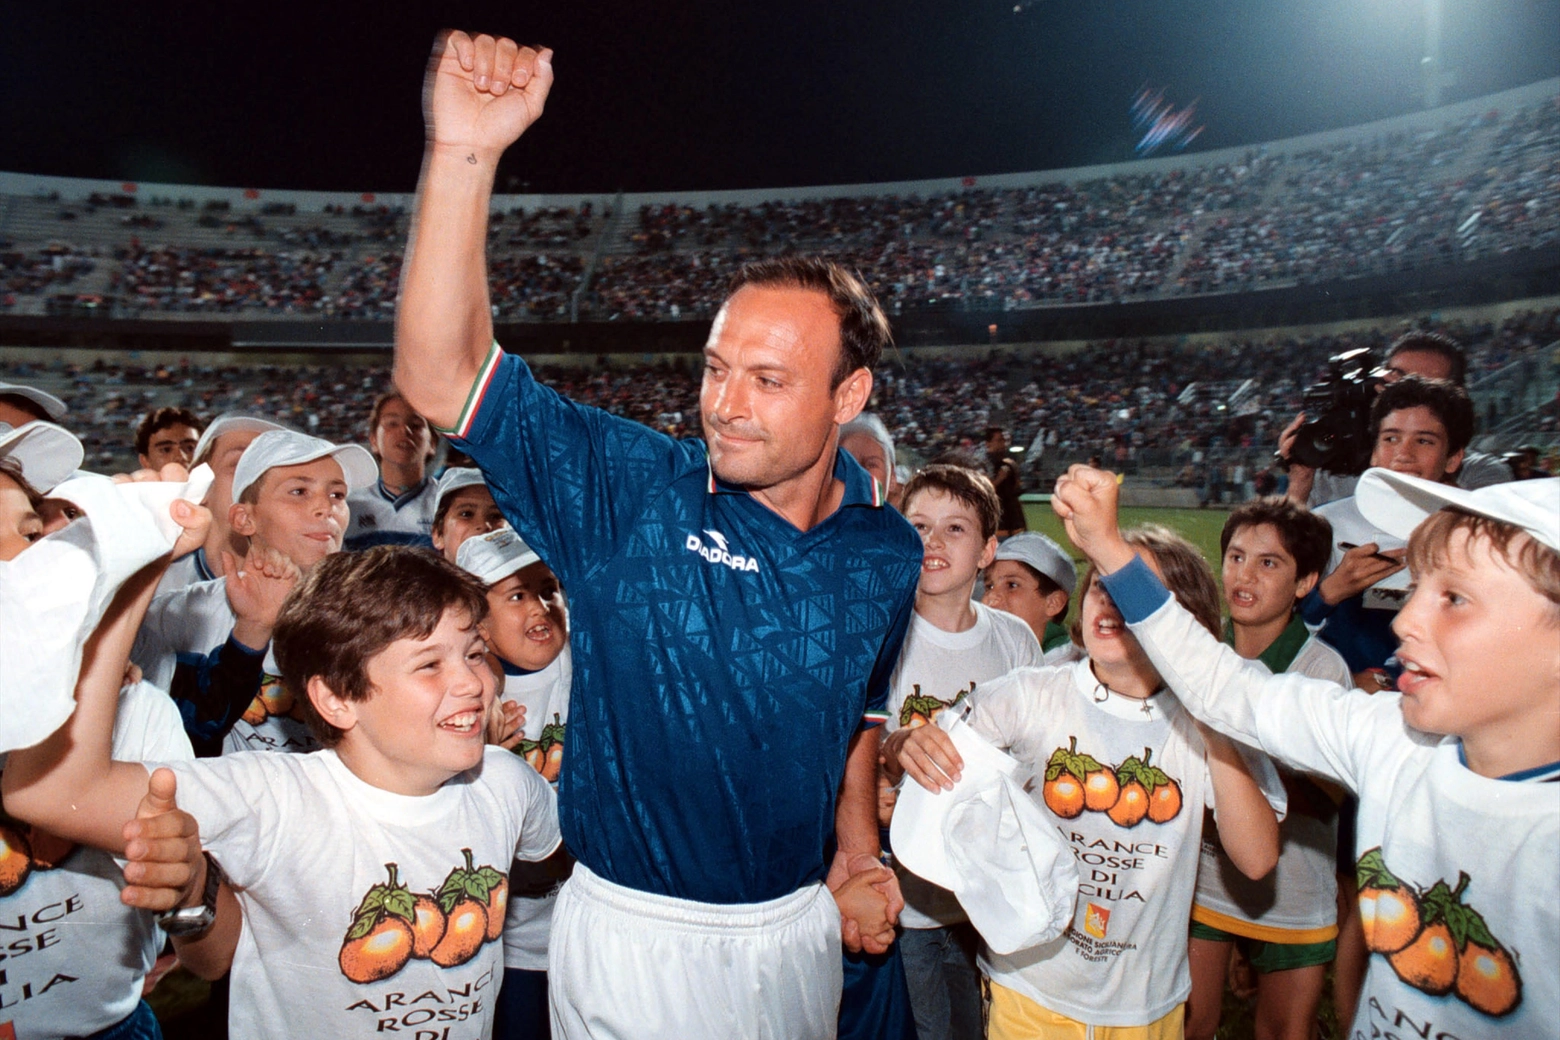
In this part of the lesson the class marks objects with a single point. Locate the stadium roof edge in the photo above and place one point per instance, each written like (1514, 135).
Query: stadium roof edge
(253, 199)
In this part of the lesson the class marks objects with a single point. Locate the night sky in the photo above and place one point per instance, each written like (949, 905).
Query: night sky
(701, 94)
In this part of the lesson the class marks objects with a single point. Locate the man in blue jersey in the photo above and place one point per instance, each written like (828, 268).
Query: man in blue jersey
(737, 606)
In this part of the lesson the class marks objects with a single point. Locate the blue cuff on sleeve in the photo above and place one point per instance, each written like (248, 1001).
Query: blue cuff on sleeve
(1313, 608)
(248, 651)
(1136, 590)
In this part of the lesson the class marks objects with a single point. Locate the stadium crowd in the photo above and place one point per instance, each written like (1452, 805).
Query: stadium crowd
(1364, 206)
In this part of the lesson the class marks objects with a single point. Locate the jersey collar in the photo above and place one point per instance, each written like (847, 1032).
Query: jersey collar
(861, 488)
(400, 500)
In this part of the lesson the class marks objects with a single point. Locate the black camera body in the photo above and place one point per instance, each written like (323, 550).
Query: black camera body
(1336, 437)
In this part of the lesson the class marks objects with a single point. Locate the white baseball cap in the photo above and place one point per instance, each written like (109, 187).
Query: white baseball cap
(455, 478)
(494, 556)
(1043, 554)
(1397, 503)
(49, 454)
(52, 406)
(291, 448)
(231, 422)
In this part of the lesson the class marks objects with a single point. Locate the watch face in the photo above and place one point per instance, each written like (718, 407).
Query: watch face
(188, 921)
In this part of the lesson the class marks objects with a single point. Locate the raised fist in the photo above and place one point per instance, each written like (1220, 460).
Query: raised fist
(482, 93)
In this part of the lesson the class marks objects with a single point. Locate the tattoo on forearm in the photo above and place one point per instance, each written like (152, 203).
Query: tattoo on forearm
(472, 158)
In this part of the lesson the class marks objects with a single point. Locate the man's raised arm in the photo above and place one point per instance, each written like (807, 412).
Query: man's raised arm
(480, 95)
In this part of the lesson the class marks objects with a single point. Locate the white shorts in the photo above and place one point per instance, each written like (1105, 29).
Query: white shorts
(626, 964)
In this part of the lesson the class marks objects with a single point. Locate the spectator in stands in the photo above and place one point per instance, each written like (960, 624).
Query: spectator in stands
(20, 405)
(167, 435)
(403, 500)
(1004, 477)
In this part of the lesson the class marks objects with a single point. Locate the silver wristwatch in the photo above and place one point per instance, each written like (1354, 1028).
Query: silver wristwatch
(192, 921)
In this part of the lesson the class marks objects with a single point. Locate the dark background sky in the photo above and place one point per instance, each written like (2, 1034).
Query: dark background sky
(704, 94)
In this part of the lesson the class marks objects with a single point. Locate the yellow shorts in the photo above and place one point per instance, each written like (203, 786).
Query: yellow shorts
(1014, 1016)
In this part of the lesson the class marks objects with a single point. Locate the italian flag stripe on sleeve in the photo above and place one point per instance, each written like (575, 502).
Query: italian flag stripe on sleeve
(479, 387)
(874, 718)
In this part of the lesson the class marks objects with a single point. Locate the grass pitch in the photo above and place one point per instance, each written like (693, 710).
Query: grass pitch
(1200, 526)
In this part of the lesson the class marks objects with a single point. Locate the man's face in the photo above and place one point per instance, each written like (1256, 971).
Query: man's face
(472, 511)
(1414, 441)
(1260, 581)
(425, 719)
(950, 533)
(20, 524)
(1480, 646)
(865, 449)
(768, 409)
(174, 443)
(527, 624)
(19, 411)
(1426, 363)
(300, 511)
(401, 435)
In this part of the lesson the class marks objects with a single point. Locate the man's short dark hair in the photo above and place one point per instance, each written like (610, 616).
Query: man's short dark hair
(1448, 401)
(864, 331)
(1306, 536)
(353, 605)
(1433, 343)
(159, 419)
(969, 486)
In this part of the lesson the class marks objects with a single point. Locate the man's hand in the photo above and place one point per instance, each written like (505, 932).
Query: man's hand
(256, 592)
(927, 754)
(1085, 500)
(869, 899)
(1360, 568)
(195, 521)
(162, 844)
(482, 93)
(1301, 478)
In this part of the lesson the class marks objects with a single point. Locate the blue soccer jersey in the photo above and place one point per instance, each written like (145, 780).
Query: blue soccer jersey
(722, 658)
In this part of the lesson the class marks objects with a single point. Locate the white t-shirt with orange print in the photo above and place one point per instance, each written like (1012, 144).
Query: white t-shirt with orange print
(366, 912)
(1123, 961)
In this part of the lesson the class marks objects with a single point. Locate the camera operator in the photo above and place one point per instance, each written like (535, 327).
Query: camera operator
(1428, 354)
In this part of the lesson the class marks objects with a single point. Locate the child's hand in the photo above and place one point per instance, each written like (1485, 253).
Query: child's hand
(1361, 567)
(1085, 500)
(165, 867)
(256, 592)
(864, 902)
(927, 754)
(506, 724)
(196, 521)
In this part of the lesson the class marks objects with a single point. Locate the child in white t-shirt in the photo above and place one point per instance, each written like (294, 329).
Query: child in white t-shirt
(1285, 924)
(527, 633)
(954, 645)
(1459, 817)
(1126, 775)
(371, 874)
(289, 494)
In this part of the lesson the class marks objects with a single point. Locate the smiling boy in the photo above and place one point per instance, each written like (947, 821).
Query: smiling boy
(954, 643)
(328, 850)
(1458, 826)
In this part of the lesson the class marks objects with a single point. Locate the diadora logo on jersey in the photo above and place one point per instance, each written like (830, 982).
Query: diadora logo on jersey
(720, 551)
